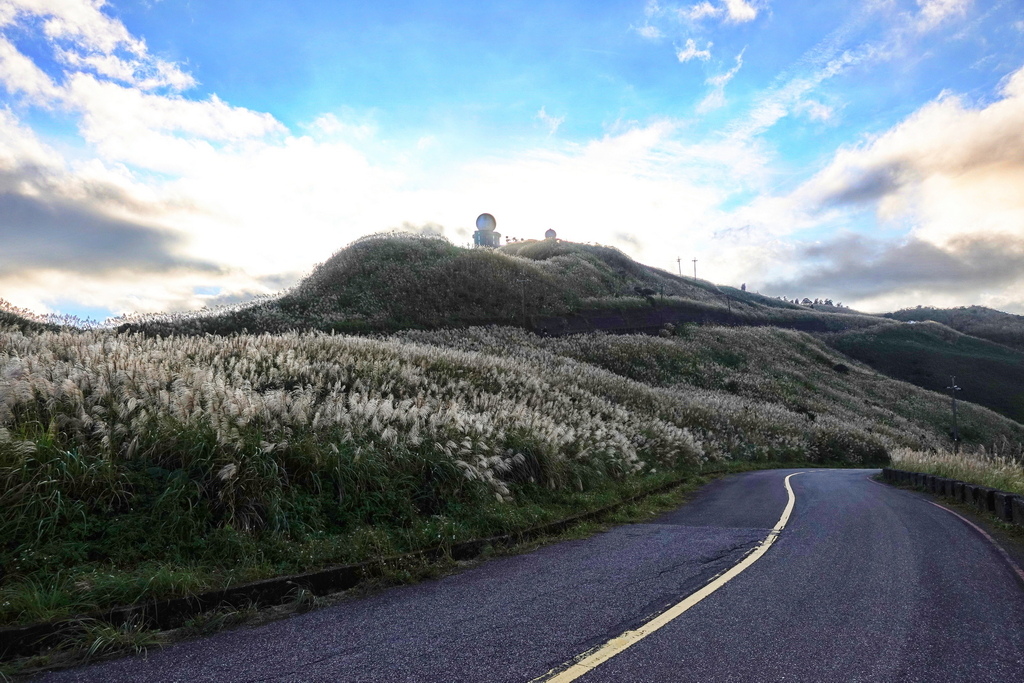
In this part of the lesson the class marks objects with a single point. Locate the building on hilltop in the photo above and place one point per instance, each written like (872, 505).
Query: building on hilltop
(550, 234)
(485, 236)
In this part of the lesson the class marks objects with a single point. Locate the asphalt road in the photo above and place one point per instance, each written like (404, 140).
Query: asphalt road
(866, 583)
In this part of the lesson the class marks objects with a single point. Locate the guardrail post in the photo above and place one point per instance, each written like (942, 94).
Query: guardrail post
(970, 493)
(985, 499)
(958, 491)
(1017, 503)
(1004, 505)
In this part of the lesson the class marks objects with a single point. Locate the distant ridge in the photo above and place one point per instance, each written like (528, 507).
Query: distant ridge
(977, 321)
(10, 318)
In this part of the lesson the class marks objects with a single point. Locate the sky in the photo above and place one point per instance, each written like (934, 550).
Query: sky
(166, 155)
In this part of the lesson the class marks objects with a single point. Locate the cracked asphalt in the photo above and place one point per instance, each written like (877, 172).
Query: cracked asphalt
(866, 583)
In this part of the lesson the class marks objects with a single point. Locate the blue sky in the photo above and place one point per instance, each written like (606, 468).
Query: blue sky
(173, 154)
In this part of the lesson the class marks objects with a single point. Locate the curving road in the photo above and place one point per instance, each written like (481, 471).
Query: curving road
(865, 583)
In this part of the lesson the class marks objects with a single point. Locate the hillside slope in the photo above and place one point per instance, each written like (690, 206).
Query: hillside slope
(977, 321)
(928, 354)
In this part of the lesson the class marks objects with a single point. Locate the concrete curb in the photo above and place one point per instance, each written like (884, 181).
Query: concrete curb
(24, 641)
(1009, 507)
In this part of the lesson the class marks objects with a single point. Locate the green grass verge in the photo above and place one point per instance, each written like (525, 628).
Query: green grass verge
(92, 640)
(66, 582)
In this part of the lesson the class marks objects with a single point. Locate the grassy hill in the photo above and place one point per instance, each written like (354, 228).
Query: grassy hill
(977, 321)
(386, 283)
(928, 354)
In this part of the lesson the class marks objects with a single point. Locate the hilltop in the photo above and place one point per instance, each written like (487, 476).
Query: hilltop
(385, 283)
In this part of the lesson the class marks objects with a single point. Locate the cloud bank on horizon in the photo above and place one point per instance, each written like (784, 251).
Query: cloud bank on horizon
(159, 156)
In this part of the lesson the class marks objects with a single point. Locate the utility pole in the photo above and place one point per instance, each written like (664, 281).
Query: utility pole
(679, 262)
(522, 293)
(953, 388)
(694, 269)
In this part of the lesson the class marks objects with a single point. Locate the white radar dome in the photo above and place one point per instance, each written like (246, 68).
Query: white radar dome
(486, 222)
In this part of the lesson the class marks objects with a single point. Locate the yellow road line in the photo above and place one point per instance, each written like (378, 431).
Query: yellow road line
(601, 654)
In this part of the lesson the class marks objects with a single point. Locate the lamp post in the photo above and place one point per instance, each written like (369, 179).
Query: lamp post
(953, 388)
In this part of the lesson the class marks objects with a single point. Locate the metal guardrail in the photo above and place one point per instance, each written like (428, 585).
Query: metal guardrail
(1008, 507)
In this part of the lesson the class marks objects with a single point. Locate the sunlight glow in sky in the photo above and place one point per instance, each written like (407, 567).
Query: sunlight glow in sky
(161, 155)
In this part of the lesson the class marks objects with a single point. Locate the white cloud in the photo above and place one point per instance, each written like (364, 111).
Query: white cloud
(721, 80)
(731, 11)
(330, 125)
(691, 51)
(86, 38)
(109, 105)
(740, 11)
(551, 122)
(81, 21)
(716, 98)
(650, 32)
(934, 12)
(147, 74)
(19, 74)
(700, 11)
(164, 133)
(954, 168)
(950, 176)
(791, 95)
(18, 145)
(644, 180)
(816, 111)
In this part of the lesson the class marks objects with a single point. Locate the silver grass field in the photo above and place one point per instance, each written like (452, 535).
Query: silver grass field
(137, 466)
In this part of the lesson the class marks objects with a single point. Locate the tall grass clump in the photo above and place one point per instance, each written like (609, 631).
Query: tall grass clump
(1003, 470)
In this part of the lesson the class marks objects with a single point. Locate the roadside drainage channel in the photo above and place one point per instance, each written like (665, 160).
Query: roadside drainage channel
(1008, 507)
(25, 641)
